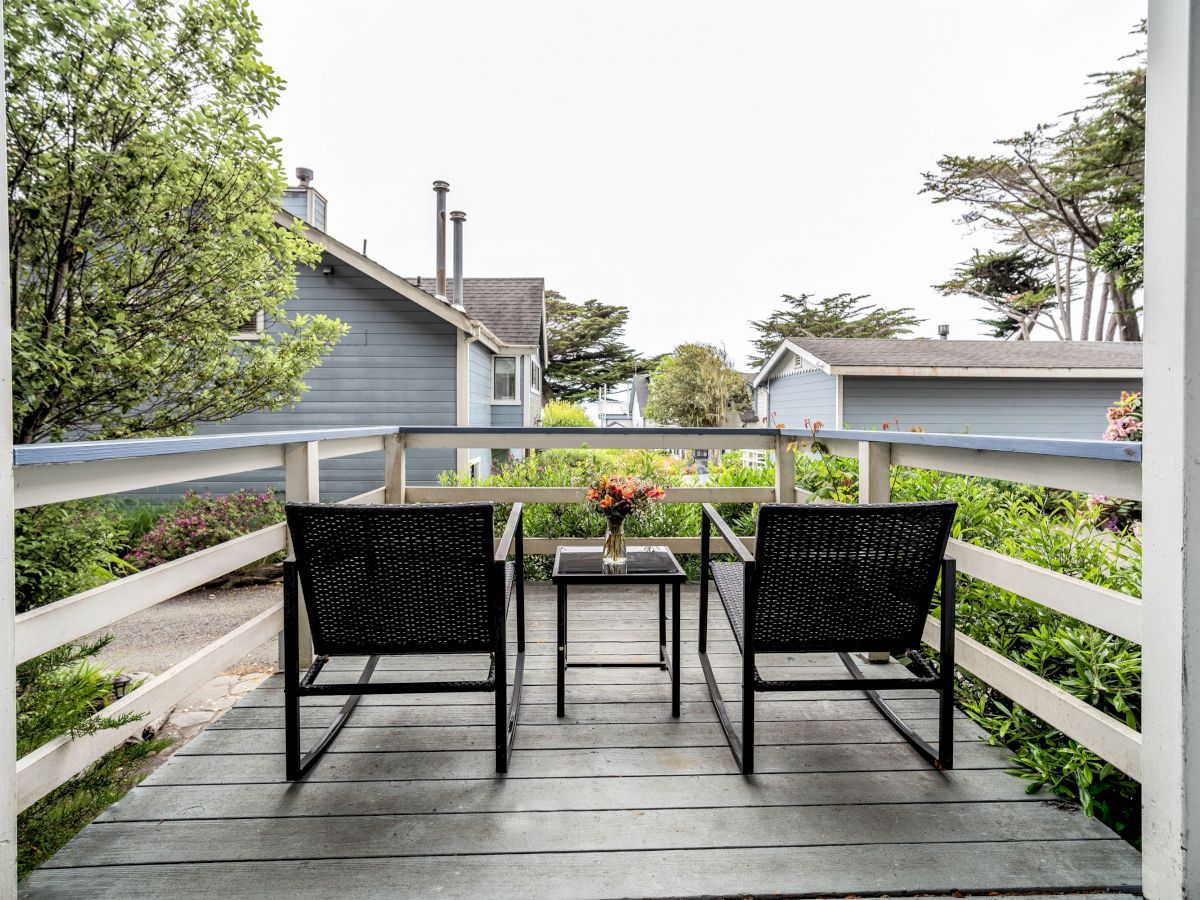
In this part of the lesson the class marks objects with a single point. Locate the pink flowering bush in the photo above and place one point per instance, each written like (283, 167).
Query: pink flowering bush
(201, 521)
(1124, 424)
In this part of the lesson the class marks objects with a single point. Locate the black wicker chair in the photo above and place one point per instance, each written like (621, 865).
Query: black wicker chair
(840, 579)
(387, 580)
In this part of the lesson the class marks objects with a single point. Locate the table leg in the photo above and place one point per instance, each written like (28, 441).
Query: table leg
(676, 661)
(562, 649)
(662, 624)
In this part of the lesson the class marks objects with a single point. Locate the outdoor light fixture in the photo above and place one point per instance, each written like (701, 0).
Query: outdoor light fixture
(120, 685)
(327, 270)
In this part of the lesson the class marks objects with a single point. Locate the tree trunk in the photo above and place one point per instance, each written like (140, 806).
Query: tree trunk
(1102, 314)
(1127, 318)
(1088, 291)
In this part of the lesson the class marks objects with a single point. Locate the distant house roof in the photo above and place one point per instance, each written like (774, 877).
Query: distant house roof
(512, 308)
(972, 359)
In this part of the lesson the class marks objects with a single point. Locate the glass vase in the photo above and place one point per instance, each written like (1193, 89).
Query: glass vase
(614, 557)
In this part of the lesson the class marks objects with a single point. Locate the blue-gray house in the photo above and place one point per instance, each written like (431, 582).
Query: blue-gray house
(412, 357)
(1055, 389)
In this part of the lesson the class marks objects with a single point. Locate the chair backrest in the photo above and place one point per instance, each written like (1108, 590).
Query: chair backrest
(847, 578)
(396, 578)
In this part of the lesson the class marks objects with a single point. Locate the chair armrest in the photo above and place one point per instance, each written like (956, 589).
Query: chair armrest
(510, 531)
(735, 545)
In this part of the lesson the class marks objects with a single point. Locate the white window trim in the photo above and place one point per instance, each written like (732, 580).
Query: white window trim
(475, 468)
(515, 400)
(260, 325)
(535, 389)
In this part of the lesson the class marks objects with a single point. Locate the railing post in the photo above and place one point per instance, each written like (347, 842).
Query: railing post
(395, 477)
(785, 470)
(1170, 474)
(875, 486)
(302, 484)
(874, 472)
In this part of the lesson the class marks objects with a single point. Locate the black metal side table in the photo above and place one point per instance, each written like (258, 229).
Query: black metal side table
(646, 565)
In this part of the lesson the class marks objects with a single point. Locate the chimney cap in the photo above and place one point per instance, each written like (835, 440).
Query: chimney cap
(304, 175)
(441, 186)
(458, 215)
(943, 331)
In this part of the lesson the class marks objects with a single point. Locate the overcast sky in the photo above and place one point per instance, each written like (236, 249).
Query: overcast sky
(691, 161)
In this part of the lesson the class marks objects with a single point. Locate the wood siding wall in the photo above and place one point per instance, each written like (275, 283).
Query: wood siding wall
(1029, 407)
(396, 366)
(804, 395)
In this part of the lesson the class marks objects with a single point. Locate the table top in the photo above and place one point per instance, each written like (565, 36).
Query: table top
(645, 565)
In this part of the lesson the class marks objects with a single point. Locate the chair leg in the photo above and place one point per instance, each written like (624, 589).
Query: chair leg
(291, 673)
(299, 765)
(922, 746)
(748, 719)
(718, 702)
(501, 712)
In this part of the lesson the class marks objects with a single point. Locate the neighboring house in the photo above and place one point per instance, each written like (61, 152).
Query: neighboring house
(410, 358)
(1052, 389)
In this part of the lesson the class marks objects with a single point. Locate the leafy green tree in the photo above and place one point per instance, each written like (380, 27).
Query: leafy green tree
(561, 414)
(1011, 282)
(586, 350)
(1121, 249)
(1053, 192)
(142, 195)
(695, 386)
(842, 315)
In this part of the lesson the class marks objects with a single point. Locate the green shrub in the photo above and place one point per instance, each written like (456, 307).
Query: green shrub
(64, 548)
(58, 693)
(200, 521)
(561, 414)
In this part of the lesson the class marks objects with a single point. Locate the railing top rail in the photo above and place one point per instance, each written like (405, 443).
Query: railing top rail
(131, 448)
(1121, 451)
(86, 451)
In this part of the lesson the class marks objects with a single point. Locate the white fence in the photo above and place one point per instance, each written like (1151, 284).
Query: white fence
(58, 472)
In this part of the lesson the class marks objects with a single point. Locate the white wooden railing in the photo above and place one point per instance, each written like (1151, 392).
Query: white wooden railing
(53, 473)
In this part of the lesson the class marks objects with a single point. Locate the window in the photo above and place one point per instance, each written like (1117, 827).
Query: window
(535, 376)
(504, 378)
(251, 328)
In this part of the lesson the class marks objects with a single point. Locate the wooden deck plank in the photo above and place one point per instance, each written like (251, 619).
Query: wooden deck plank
(627, 762)
(615, 800)
(223, 741)
(946, 868)
(521, 794)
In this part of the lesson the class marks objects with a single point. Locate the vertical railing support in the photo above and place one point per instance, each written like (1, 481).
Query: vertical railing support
(1170, 473)
(395, 477)
(875, 486)
(301, 484)
(785, 470)
(874, 472)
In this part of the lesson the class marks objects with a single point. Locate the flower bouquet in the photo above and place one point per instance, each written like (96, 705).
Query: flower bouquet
(617, 497)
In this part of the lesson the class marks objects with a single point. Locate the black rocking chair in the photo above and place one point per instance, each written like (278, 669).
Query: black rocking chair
(389, 580)
(836, 579)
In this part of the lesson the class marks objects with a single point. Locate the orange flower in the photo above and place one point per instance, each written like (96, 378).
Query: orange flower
(593, 494)
(606, 502)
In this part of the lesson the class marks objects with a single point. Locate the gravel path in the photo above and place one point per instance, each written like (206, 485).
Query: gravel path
(157, 638)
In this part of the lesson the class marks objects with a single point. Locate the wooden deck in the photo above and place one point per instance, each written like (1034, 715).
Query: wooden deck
(616, 800)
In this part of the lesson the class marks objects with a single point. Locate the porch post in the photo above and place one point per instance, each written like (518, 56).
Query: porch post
(462, 397)
(875, 486)
(301, 484)
(1171, 462)
(8, 608)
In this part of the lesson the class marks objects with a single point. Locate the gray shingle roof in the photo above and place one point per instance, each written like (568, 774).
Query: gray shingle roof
(973, 354)
(511, 308)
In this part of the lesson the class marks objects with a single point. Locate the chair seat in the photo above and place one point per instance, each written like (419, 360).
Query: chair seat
(729, 579)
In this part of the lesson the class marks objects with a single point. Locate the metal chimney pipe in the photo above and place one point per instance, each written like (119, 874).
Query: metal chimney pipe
(944, 332)
(441, 188)
(458, 217)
